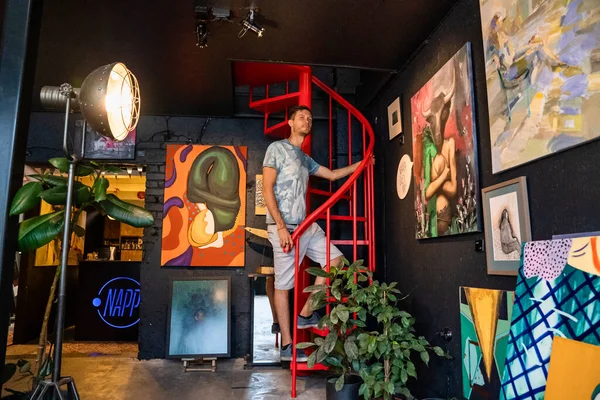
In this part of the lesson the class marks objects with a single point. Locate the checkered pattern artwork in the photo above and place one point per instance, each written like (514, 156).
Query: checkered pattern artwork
(557, 294)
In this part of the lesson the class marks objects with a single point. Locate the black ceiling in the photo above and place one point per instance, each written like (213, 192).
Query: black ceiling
(157, 41)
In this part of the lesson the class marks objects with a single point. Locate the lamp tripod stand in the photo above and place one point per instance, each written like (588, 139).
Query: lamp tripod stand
(57, 381)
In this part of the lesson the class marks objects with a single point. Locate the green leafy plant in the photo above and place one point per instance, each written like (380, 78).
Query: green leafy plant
(387, 354)
(338, 350)
(38, 231)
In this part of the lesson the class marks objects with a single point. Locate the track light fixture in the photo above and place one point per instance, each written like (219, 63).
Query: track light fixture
(248, 23)
(201, 34)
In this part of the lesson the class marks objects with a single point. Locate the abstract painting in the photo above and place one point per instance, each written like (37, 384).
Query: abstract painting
(204, 206)
(445, 161)
(199, 318)
(574, 372)
(507, 226)
(394, 119)
(543, 76)
(260, 207)
(557, 296)
(484, 324)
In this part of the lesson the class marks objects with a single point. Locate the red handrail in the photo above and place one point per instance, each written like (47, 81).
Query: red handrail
(365, 163)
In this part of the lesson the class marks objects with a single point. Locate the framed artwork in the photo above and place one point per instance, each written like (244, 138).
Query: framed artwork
(260, 207)
(507, 226)
(541, 77)
(444, 151)
(204, 210)
(485, 316)
(199, 317)
(394, 118)
(98, 147)
(555, 325)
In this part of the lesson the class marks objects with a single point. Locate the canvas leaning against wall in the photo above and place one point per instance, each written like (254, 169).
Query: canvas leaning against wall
(543, 76)
(485, 316)
(199, 318)
(204, 206)
(444, 151)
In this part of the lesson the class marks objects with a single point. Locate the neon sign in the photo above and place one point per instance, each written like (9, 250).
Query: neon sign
(118, 301)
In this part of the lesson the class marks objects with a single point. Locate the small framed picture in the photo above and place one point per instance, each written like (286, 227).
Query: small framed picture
(394, 118)
(507, 226)
(199, 317)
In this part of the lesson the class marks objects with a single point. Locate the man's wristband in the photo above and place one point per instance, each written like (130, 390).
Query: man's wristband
(283, 227)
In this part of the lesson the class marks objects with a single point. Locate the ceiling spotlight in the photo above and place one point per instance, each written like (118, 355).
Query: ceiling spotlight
(140, 169)
(249, 24)
(129, 171)
(201, 34)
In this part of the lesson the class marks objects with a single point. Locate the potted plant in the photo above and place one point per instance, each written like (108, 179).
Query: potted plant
(38, 231)
(387, 354)
(339, 349)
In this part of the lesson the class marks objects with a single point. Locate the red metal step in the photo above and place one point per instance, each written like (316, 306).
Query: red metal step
(350, 242)
(344, 218)
(325, 193)
(275, 104)
(317, 367)
(261, 74)
(278, 131)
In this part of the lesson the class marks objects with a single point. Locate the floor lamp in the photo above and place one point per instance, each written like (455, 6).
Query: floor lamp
(109, 100)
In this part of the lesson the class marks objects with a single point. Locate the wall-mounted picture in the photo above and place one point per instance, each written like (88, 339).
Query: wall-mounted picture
(260, 207)
(199, 317)
(444, 151)
(204, 210)
(394, 119)
(507, 226)
(542, 75)
(98, 147)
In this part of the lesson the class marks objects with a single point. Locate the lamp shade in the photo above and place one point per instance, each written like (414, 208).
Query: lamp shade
(109, 100)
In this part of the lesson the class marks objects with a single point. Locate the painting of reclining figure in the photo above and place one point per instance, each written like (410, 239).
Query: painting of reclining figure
(445, 161)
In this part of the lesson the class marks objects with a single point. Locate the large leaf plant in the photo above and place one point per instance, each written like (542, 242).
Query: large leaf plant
(38, 231)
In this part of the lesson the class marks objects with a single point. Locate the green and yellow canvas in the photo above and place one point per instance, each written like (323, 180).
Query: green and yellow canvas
(543, 76)
(484, 326)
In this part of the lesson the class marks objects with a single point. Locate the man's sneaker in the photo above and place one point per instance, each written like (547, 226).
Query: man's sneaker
(310, 322)
(285, 354)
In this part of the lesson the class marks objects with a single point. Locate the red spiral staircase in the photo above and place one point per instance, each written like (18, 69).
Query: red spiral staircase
(257, 75)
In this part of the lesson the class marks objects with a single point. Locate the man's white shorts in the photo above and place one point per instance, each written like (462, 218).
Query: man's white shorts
(313, 244)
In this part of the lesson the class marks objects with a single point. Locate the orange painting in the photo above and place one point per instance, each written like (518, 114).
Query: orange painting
(205, 206)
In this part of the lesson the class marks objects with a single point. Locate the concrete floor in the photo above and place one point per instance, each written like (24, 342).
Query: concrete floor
(124, 378)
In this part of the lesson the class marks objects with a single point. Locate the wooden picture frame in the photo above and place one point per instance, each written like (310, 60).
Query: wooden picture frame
(185, 350)
(506, 224)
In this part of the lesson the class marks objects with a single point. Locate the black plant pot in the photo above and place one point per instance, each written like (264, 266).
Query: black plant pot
(349, 390)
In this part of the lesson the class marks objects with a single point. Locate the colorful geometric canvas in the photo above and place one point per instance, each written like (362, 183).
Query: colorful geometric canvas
(204, 206)
(484, 324)
(444, 151)
(543, 76)
(574, 372)
(557, 295)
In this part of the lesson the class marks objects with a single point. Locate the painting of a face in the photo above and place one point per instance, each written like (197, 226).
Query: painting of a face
(205, 206)
(542, 76)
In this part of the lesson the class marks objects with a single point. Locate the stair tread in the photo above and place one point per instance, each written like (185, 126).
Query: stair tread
(325, 193)
(302, 366)
(350, 242)
(344, 218)
(276, 103)
(278, 131)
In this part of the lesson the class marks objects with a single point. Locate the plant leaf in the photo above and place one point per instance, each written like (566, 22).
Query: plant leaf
(334, 362)
(78, 230)
(410, 369)
(314, 288)
(99, 189)
(113, 169)
(57, 196)
(389, 387)
(61, 163)
(315, 271)
(425, 357)
(38, 231)
(343, 315)
(329, 343)
(319, 341)
(305, 345)
(403, 376)
(358, 323)
(26, 198)
(351, 350)
(321, 355)
(84, 170)
(127, 213)
(312, 360)
(439, 351)
(339, 384)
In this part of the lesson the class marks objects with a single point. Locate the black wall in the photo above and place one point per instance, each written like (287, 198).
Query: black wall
(563, 197)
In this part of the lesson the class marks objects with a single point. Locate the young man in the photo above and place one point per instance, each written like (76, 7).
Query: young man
(285, 182)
